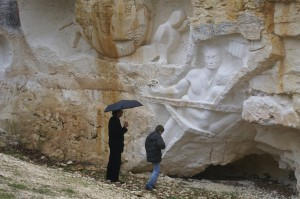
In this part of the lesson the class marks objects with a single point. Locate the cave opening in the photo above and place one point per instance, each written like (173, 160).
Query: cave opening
(263, 168)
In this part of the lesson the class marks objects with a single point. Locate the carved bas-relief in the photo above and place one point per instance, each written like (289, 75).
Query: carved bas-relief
(199, 85)
(195, 104)
(115, 28)
(165, 41)
(51, 32)
(206, 81)
(168, 35)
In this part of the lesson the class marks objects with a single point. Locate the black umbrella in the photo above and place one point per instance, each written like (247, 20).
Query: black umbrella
(122, 104)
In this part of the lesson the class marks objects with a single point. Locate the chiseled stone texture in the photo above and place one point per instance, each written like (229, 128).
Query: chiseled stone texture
(221, 76)
(115, 28)
(287, 19)
(268, 110)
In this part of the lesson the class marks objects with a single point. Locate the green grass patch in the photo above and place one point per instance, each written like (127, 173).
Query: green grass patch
(68, 191)
(231, 195)
(213, 194)
(5, 195)
(18, 186)
(45, 190)
(17, 173)
(4, 180)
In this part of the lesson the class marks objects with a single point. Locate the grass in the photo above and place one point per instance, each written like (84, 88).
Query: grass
(213, 194)
(5, 195)
(18, 186)
(68, 191)
(17, 173)
(4, 179)
(43, 190)
(232, 195)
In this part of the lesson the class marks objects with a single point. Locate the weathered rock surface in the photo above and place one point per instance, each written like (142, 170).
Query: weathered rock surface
(222, 76)
(115, 28)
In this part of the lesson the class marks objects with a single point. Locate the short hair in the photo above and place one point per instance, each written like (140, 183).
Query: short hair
(114, 113)
(159, 128)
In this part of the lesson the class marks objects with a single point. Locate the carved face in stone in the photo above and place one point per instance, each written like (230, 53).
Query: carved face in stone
(117, 27)
(176, 18)
(104, 12)
(212, 58)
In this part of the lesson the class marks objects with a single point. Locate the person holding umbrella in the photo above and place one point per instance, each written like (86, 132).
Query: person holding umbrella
(116, 145)
(116, 137)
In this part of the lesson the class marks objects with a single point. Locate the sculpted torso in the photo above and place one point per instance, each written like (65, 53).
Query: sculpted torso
(199, 85)
(198, 82)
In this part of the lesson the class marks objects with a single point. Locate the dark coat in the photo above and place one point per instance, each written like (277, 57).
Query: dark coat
(154, 144)
(116, 135)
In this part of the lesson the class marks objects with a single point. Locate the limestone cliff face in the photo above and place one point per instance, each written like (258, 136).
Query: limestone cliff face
(221, 76)
(115, 28)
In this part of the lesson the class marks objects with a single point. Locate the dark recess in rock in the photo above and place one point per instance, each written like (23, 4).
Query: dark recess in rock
(9, 14)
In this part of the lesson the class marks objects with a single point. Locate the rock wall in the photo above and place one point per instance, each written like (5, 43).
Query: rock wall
(221, 76)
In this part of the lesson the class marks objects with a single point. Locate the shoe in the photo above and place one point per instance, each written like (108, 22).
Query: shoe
(153, 187)
(148, 188)
(117, 181)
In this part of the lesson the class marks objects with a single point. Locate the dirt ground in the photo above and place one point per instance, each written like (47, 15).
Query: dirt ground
(25, 179)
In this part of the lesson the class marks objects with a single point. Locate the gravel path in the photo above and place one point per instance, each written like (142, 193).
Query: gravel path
(24, 179)
(20, 179)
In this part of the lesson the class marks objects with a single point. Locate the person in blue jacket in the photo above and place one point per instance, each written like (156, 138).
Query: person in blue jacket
(154, 144)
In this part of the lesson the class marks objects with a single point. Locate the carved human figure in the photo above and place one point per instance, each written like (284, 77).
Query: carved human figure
(168, 34)
(196, 84)
(115, 28)
(199, 85)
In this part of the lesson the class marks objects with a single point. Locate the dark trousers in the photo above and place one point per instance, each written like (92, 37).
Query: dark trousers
(113, 166)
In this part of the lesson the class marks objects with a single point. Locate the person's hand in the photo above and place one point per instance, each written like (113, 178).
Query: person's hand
(153, 83)
(154, 86)
(125, 124)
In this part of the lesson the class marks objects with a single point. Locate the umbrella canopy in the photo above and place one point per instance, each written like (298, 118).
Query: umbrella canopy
(123, 104)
